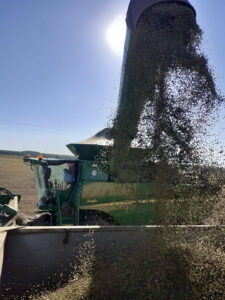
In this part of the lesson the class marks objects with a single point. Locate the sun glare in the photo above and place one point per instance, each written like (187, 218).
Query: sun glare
(115, 35)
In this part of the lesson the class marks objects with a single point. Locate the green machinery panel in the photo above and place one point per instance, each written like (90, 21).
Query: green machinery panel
(92, 172)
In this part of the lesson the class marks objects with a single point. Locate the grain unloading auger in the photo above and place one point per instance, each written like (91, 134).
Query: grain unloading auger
(87, 191)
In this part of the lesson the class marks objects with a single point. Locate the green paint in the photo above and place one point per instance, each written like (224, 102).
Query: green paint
(8, 207)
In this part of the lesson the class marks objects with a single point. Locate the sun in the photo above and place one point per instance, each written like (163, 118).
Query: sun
(115, 35)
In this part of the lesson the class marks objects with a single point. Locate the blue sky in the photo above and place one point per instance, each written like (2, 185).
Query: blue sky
(59, 78)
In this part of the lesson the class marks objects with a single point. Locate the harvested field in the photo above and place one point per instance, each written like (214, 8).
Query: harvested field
(19, 179)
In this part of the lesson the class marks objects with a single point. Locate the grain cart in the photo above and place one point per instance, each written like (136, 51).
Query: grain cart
(36, 257)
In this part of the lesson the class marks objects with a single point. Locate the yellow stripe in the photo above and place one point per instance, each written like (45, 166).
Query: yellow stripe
(119, 203)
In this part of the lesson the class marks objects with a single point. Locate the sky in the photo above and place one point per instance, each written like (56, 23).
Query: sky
(60, 66)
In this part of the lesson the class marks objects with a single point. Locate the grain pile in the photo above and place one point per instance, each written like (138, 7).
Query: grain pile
(173, 267)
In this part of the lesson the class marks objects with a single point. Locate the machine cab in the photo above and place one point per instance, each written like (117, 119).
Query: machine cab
(57, 181)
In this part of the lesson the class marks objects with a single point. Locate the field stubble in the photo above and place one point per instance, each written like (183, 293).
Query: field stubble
(18, 178)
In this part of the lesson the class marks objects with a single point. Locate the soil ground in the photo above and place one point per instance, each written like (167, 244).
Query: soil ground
(18, 178)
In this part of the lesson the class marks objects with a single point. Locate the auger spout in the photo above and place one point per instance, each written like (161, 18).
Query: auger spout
(137, 75)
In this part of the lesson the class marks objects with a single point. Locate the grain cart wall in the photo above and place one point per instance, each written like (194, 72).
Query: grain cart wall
(39, 258)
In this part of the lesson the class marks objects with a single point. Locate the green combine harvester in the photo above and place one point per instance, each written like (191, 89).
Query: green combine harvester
(88, 190)
(81, 191)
